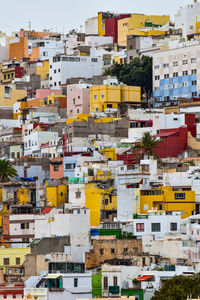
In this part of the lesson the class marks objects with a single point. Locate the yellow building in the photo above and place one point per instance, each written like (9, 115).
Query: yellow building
(13, 257)
(109, 153)
(42, 69)
(101, 201)
(22, 196)
(139, 24)
(56, 195)
(9, 94)
(168, 199)
(18, 108)
(104, 97)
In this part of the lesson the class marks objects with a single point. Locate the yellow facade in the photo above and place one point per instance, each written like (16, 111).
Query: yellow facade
(137, 201)
(97, 199)
(9, 95)
(84, 118)
(166, 199)
(15, 257)
(101, 25)
(19, 112)
(137, 25)
(110, 153)
(104, 97)
(50, 100)
(22, 196)
(56, 195)
(43, 70)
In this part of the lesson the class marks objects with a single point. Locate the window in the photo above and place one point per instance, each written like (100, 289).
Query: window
(55, 83)
(74, 100)
(56, 168)
(157, 77)
(54, 71)
(102, 95)
(77, 110)
(175, 64)
(125, 251)
(140, 227)
(109, 105)
(115, 280)
(193, 60)
(160, 207)
(6, 261)
(194, 94)
(194, 82)
(58, 70)
(95, 96)
(156, 67)
(165, 65)
(155, 227)
(7, 91)
(75, 282)
(194, 71)
(173, 226)
(50, 78)
(4, 77)
(166, 76)
(70, 166)
(112, 250)
(78, 194)
(24, 225)
(185, 73)
(179, 196)
(105, 283)
(175, 74)
(101, 251)
(185, 62)
(17, 260)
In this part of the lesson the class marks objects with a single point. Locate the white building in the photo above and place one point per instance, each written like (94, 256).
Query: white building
(63, 67)
(187, 17)
(91, 26)
(176, 73)
(74, 223)
(68, 286)
(95, 41)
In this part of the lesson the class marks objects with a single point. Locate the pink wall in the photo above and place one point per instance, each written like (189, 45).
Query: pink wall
(81, 94)
(43, 93)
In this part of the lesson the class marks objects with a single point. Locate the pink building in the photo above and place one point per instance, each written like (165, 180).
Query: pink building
(43, 93)
(78, 99)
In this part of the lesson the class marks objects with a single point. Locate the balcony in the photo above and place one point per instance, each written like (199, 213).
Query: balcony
(114, 289)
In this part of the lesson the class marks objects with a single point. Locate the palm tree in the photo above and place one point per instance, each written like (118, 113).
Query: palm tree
(147, 144)
(7, 172)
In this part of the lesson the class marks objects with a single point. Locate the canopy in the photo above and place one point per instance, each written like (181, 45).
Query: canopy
(143, 278)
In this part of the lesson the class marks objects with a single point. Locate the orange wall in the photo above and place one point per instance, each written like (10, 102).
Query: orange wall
(57, 174)
(35, 54)
(33, 102)
(19, 50)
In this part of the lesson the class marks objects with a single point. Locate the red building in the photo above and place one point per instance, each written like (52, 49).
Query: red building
(111, 26)
(15, 290)
(173, 142)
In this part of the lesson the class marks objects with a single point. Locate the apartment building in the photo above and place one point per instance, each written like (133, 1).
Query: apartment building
(176, 73)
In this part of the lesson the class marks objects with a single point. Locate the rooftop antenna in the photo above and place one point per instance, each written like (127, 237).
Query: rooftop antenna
(29, 25)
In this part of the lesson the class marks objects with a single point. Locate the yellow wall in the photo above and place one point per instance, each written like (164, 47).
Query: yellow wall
(101, 25)
(167, 199)
(102, 96)
(137, 201)
(110, 153)
(56, 195)
(133, 24)
(12, 254)
(14, 96)
(23, 105)
(193, 143)
(22, 196)
(43, 71)
(95, 200)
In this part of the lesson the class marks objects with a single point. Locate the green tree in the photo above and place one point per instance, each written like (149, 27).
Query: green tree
(147, 144)
(179, 288)
(137, 73)
(7, 172)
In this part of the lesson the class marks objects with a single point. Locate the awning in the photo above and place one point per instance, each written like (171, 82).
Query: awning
(52, 276)
(143, 278)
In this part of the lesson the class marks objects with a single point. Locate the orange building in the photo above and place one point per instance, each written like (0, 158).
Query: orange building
(18, 49)
(57, 168)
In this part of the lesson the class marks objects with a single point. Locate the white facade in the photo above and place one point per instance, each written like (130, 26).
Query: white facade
(94, 41)
(75, 224)
(91, 26)
(186, 18)
(168, 225)
(64, 67)
(34, 140)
